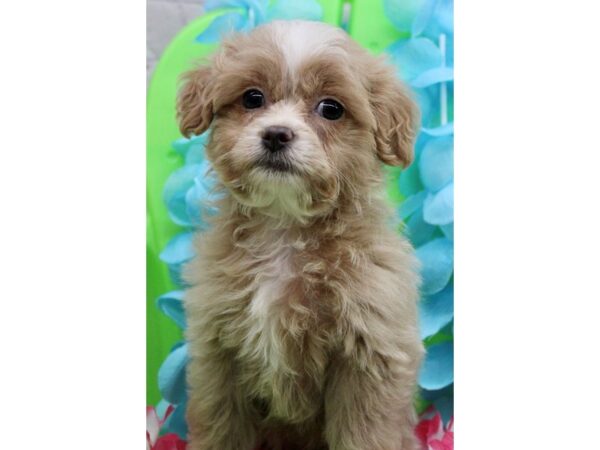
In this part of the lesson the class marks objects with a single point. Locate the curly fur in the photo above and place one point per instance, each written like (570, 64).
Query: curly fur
(302, 323)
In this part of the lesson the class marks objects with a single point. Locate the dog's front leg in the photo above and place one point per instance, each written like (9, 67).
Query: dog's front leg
(370, 406)
(217, 418)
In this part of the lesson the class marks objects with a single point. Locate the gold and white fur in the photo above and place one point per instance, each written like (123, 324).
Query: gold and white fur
(302, 310)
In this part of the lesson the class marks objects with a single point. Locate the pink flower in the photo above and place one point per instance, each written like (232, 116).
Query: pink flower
(432, 434)
(168, 441)
(430, 431)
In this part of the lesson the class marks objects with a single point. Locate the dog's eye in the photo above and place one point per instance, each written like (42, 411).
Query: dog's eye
(253, 99)
(330, 109)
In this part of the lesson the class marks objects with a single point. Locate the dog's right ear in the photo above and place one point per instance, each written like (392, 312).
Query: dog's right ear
(194, 102)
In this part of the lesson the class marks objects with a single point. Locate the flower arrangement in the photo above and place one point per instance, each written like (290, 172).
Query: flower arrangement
(425, 62)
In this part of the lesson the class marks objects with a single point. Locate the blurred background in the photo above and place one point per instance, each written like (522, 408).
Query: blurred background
(164, 19)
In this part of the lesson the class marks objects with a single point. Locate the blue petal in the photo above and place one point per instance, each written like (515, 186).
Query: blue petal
(256, 11)
(436, 311)
(444, 130)
(444, 16)
(171, 305)
(409, 181)
(412, 204)
(436, 164)
(202, 197)
(293, 9)
(438, 208)
(434, 18)
(428, 102)
(179, 249)
(195, 153)
(171, 375)
(437, 260)
(417, 230)
(421, 142)
(414, 56)
(194, 144)
(433, 76)
(448, 231)
(438, 369)
(175, 191)
(181, 146)
(441, 19)
(402, 12)
(445, 406)
(423, 17)
(442, 400)
(432, 396)
(220, 27)
(176, 422)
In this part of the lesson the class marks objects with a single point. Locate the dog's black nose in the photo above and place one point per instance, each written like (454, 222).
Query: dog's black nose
(275, 138)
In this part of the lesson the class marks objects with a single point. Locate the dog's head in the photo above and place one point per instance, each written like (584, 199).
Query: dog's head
(300, 114)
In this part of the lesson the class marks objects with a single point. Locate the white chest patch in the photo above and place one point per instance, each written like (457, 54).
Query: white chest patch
(265, 295)
(283, 375)
(271, 282)
(264, 333)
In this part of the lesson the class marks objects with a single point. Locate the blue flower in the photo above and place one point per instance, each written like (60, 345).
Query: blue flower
(171, 375)
(190, 197)
(179, 250)
(253, 13)
(171, 306)
(438, 207)
(402, 13)
(175, 192)
(437, 261)
(172, 372)
(434, 18)
(424, 60)
(436, 163)
(436, 311)
(437, 371)
(192, 149)
(415, 56)
(190, 192)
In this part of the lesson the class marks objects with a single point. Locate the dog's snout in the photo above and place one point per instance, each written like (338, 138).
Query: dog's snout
(275, 138)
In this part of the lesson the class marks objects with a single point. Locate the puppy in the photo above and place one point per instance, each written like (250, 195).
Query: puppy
(302, 317)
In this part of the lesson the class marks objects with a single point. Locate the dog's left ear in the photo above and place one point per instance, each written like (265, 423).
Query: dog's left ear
(194, 101)
(396, 117)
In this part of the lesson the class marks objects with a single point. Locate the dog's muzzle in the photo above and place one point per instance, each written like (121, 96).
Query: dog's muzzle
(276, 141)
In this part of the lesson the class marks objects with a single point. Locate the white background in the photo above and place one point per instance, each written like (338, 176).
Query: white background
(72, 238)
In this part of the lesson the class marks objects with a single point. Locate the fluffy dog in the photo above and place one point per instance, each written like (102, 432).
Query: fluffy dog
(302, 315)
